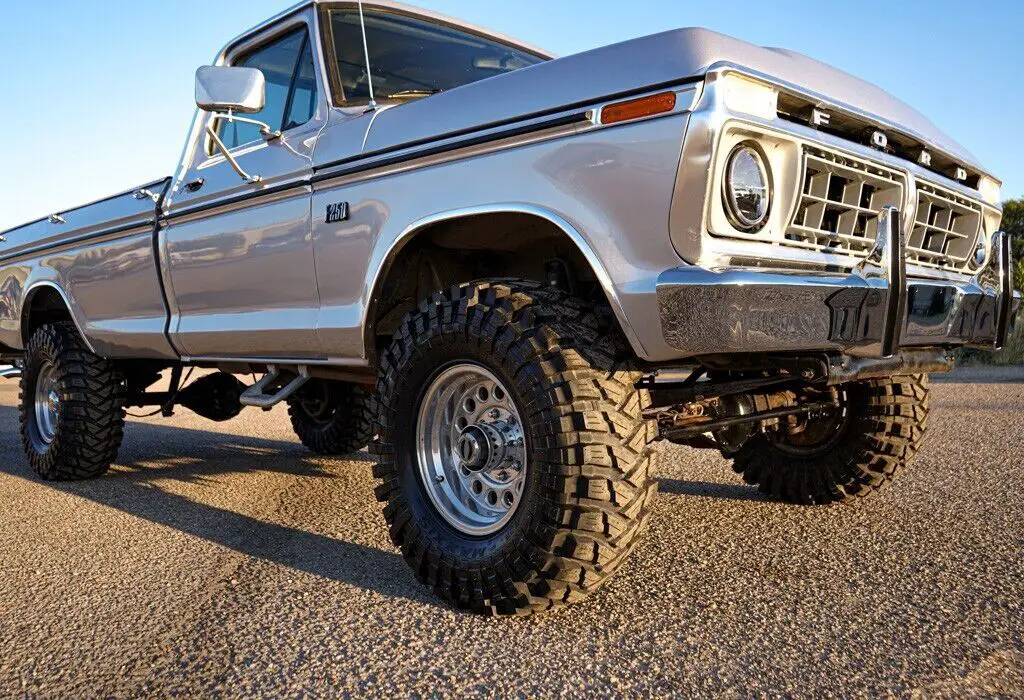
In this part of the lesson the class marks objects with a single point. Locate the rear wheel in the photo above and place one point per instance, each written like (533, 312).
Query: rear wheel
(72, 406)
(850, 453)
(514, 459)
(331, 418)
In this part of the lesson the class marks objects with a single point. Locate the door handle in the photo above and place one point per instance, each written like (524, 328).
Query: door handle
(195, 185)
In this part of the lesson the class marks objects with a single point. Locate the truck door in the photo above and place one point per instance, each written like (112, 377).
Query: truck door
(238, 256)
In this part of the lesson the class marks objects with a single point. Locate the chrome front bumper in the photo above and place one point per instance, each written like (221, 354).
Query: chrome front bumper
(874, 311)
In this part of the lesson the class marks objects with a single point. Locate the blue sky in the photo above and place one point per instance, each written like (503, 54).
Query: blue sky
(98, 95)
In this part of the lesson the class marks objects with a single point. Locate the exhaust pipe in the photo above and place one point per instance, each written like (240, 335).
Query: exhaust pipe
(852, 369)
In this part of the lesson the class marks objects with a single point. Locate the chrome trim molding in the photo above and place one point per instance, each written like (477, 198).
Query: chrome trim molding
(402, 153)
(112, 233)
(523, 125)
(353, 362)
(382, 163)
(231, 203)
(25, 305)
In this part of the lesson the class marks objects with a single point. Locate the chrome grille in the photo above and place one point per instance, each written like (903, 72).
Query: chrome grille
(946, 229)
(840, 202)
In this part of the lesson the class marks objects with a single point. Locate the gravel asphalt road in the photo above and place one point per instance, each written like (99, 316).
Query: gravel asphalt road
(225, 560)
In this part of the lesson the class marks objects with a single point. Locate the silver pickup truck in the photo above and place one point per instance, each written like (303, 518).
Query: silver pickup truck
(509, 274)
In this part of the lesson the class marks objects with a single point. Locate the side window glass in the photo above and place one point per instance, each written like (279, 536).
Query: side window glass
(302, 105)
(291, 97)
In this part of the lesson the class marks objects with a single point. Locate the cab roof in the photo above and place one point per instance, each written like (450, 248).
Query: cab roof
(385, 5)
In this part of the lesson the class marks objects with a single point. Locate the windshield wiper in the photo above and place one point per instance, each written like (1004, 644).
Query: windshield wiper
(409, 94)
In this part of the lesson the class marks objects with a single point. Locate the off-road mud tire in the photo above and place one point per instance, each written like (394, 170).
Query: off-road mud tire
(886, 426)
(590, 466)
(90, 419)
(347, 429)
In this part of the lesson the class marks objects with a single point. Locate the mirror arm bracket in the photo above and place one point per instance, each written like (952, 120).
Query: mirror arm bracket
(265, 130)
(251, 179)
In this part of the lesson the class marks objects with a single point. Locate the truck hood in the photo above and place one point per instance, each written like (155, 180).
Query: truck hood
(660, 59)
(837, 86)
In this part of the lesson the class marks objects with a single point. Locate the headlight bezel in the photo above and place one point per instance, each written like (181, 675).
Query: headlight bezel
(737, 218)
(981, 252)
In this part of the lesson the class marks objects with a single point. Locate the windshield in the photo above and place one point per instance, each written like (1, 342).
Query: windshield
(412, 57)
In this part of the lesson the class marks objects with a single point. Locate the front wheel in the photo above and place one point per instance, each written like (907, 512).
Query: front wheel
(514, 459)
(852, 453)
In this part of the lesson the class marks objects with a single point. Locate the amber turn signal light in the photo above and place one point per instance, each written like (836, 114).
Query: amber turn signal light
(635, 109)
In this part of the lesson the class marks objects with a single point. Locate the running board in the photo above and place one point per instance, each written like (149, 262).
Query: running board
(256, 397)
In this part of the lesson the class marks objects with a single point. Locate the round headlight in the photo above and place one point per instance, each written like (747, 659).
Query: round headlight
(747, 188)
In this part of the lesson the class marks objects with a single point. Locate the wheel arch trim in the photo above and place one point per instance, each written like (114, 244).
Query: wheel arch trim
(26, 308)
(394, 248)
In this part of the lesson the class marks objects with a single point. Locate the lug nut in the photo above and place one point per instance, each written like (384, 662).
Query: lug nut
(495, 414)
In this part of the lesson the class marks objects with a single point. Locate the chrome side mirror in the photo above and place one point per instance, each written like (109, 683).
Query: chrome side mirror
(230, 89)
(225, 90)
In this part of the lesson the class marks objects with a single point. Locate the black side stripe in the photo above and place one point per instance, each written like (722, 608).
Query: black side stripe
(361, 163)
(76, 240)
(561, 109)
(276, 189)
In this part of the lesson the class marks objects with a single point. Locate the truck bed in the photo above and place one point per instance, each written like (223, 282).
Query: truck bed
(121, 209)
(101, 258)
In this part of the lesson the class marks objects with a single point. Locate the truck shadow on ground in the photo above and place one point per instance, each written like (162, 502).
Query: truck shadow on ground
(710, 489)
(195, 456)
(155, 455)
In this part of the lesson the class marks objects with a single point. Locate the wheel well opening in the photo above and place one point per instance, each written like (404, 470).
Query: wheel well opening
(45, 306)
(483, 246)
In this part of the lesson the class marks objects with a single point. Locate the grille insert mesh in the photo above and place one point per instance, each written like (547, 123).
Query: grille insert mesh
(840, 201)
(946, 229)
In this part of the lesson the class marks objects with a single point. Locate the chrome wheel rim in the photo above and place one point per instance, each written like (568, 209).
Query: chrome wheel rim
(47, 403)
(471, 451)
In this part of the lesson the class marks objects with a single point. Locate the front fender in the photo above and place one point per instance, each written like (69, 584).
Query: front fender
(386, 253)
